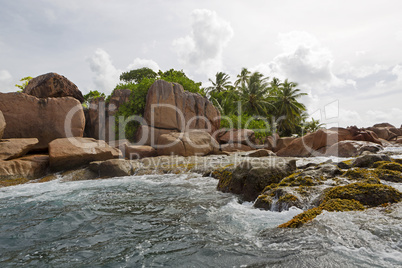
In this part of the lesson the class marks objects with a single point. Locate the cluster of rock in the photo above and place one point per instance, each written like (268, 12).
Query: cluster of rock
(276, 184)
(47, 129)
(42, 130)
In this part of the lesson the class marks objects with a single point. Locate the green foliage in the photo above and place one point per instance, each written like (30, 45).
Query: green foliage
(221, 82)
(92, 95)
(135, 76)
(181, 78)
(312, 126)
(135, 106)
(254, 95)
(24, 81)
(260, 126)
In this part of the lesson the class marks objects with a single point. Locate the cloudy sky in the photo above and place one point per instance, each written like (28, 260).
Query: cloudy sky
(345, 54)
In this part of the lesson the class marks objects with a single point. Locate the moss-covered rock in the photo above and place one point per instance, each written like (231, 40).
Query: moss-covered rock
(388, 166)
(251, 177)
(367, 161)
(365, 193)
(12, 182)
(345, 164)
(302, 218)
(361, 174)
(338, 204)
(330, 205)
(263, 201)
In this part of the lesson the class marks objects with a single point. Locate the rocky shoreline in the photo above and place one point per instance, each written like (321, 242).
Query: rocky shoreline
(42, 139)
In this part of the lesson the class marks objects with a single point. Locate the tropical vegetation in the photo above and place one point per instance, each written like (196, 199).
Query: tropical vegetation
(252, 101)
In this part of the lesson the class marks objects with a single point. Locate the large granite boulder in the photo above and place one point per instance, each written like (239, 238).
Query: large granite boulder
(2, 124)
(96, 123)
(317, 143)
(313, 142)
(138, 151)
(14, 148)
(28, 167)
(45, 119)
(251, 177)
(100, 115)
(383, 133)
(349, 148)
(243, 136)
(52, 85)
(112, 168)
(386, 125)
(70, 153)
(196, 142)
(169, 107)
(283, 143)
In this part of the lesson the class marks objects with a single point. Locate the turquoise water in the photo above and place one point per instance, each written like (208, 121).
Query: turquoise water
(180, 221)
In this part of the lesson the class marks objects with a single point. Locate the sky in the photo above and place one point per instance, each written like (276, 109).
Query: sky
(345, 54)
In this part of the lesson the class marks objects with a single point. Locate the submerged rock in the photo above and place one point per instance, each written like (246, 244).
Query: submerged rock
(249, 178)
(365, 193)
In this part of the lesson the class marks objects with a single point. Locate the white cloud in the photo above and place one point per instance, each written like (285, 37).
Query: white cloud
(349, 118)
(203, 47)
(106, 74)
(361, 71)
(6, 80)
(397, 70)
(393, 116)
(140, 63)
(303, 60)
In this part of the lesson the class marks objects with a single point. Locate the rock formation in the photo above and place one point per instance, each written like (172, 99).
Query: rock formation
(14, 148)
(69, 153)
(2, 124)
(45, 119)
(196, 142)
(100, 113)
(316, 144)
(52, 85)
(170, 108)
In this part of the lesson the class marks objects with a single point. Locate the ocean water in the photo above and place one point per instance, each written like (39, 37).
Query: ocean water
(180, 221)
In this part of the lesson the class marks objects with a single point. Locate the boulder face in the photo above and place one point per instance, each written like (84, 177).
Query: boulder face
(52, 85)
(169, 107)
(100, 115)
(243, 136)
(317, 143)
(29, 167)
(69, 153)
(352, 148)
(251, 177)
(2, 124)
(14, 148)
(187, 144)
(138, 151)
(118, 98)
(45, 119)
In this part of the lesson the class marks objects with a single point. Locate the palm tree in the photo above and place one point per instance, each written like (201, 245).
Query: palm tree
(254, 94)
(288, 107)
(242, 77)
(221, 82)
